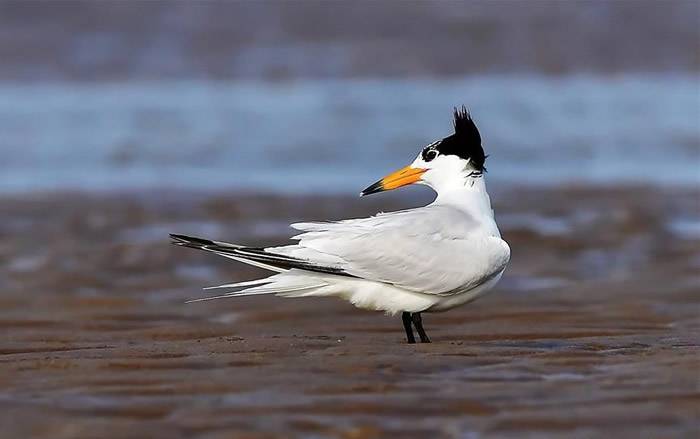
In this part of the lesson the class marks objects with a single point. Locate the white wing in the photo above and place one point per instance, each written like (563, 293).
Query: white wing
(434, 249)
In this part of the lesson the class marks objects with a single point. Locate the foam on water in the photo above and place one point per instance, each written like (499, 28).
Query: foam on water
(336, 136)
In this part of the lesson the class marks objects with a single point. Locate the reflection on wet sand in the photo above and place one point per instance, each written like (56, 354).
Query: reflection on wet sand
(593, 330)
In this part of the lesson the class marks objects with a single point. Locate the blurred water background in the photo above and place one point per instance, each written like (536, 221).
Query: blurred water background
(338, 135)
(308, 96)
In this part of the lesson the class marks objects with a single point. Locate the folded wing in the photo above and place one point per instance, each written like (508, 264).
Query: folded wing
(434, 250)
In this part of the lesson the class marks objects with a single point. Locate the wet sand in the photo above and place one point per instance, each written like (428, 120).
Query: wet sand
(593, 331)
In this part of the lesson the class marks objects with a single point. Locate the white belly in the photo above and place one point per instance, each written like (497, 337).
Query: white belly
(392, 300)
(449, 302)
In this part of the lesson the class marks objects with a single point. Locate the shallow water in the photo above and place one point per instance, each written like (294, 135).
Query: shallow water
(592, 332)
(289, 136)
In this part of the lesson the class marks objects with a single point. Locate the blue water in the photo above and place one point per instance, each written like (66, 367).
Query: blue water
(339, 136)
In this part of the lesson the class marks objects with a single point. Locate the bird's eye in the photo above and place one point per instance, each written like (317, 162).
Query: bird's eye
(429, 154)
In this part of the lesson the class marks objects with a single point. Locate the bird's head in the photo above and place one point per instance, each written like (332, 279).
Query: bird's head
(445, 162)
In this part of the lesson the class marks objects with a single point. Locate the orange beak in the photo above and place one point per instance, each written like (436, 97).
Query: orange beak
(402, 177)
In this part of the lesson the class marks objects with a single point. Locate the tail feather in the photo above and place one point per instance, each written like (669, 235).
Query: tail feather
(294, 276)
(259, 291)
(249, 283)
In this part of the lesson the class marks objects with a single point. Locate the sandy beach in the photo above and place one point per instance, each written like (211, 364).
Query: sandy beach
(593, 331)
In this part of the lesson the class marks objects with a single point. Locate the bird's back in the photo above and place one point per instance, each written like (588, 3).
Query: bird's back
(435, 249)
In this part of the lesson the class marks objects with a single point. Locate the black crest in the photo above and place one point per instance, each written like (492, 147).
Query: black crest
(465, 142)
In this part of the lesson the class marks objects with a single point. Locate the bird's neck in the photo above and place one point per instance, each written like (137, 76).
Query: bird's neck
(470, 196)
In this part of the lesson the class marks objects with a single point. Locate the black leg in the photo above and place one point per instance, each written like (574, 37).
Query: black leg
(406, 318)
(418, 322)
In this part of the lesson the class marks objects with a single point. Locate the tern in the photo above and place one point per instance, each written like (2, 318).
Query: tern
(427, 259)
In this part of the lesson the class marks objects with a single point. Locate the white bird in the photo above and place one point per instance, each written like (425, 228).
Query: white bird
(426, 259)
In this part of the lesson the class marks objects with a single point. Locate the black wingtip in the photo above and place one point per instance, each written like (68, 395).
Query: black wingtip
(253, 254)
(189, 241)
